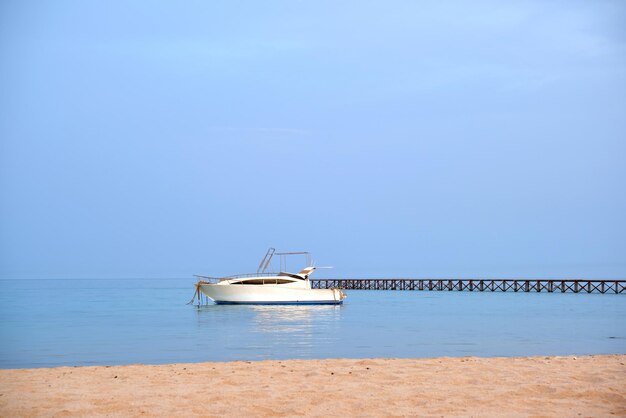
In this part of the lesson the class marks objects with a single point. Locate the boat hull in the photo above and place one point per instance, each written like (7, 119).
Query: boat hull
(270, 294)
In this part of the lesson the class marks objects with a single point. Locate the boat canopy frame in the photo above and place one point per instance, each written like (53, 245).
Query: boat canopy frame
(271, 252)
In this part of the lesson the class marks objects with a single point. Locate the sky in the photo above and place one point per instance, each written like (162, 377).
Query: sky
(392, 138)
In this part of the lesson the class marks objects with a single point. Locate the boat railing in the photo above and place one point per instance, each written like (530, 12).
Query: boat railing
(234, 276)
(240, 276)
(208, 279)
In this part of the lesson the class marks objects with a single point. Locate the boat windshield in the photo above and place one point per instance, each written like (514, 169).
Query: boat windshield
(262, 281)
(293, 276)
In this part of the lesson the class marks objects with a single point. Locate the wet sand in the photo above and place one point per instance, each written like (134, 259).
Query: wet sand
(533, 386)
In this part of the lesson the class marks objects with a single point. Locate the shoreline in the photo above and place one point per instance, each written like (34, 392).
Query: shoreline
(283, 360)
(445, 386)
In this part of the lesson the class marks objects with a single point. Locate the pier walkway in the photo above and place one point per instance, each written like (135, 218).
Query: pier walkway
(477, 285)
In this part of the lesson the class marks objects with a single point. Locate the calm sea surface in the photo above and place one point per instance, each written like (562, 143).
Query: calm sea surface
(93, 322)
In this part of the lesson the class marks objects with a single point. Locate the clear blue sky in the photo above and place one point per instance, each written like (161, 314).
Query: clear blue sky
(161, 139)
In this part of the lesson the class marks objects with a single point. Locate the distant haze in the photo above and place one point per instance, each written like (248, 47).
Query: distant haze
(441, 139)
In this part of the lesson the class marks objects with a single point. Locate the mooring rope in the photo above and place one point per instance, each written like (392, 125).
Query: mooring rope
(197, 293)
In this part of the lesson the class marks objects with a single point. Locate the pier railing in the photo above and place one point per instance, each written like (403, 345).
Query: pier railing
(477, 285)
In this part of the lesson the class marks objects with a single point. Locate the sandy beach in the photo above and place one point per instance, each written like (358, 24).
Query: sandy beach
(533, 386)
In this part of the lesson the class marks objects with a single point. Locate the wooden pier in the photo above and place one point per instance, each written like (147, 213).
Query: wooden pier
(477, 285)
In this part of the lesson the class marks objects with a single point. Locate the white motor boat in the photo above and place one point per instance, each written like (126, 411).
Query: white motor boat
(269, 288)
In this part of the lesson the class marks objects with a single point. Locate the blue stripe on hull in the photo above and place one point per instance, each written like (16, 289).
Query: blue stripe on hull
(339, 302)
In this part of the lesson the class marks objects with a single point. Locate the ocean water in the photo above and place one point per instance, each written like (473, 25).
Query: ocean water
(46, 323)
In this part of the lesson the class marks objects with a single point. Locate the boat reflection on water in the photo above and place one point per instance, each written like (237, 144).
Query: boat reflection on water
(272, 331)
(298, 318)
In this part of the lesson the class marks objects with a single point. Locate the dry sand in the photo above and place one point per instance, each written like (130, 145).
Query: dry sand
(534, 386)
